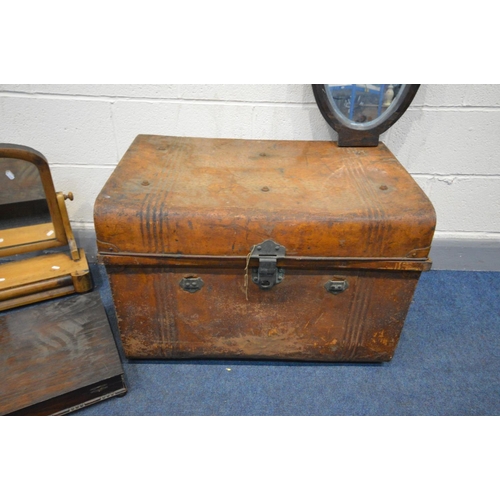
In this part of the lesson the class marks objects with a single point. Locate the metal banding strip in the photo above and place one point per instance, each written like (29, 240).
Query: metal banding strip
(290, 262)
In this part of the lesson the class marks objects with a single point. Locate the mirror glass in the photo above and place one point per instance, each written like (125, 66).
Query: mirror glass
(364, 105)
(22, 197)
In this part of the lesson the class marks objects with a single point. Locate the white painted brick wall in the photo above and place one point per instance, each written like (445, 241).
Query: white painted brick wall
(449, 139)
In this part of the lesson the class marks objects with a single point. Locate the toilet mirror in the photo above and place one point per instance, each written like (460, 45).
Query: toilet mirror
(22, 198)
(33, 220)
(30, 216)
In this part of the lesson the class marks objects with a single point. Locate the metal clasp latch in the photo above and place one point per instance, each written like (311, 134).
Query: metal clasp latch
(268, 273)
(191, 285)
(337, 285)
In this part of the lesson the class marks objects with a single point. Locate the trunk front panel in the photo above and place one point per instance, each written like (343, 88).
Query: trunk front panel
(296, 319)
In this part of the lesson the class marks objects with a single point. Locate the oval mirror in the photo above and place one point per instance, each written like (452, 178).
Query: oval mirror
(361, 112)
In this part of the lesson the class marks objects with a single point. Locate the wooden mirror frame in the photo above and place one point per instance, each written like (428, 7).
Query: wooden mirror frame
(33, 279)
(29, 240)
(369, 136)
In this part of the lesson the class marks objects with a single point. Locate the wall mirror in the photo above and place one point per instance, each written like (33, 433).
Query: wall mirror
(33, 218)
(361, 112)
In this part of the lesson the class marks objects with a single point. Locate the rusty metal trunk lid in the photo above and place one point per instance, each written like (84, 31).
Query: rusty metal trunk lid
(180, 197)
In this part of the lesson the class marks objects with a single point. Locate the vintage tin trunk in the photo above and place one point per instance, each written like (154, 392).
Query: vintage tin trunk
(290, 250)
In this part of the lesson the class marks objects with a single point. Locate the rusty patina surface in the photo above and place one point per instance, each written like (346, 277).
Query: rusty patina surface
(176, 208)
(297, 319)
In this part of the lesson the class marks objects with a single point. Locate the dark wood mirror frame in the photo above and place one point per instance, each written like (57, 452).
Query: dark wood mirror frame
(353, 137)
(32, 279)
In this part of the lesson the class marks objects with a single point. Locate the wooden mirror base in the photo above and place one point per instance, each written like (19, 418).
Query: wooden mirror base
(44, 277)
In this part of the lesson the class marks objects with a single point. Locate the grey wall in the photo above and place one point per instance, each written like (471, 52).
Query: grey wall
(448, 140)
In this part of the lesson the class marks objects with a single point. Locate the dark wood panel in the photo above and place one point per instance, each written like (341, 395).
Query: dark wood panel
(52, 349)
(76, 400)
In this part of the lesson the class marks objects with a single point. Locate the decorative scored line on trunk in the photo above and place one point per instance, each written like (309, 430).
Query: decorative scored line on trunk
(155, 210)
(383, 227)
(349, 317)
(368, 285)
(154, 205)
(145, 214)
(159, 309)
(357, 315)
(165, 320)
(144, 220)
(169, 311)
(373, 210)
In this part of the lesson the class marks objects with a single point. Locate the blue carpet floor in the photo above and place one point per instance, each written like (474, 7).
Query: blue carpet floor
(447, 363)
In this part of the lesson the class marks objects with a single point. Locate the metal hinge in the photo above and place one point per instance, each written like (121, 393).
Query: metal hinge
(268, 273)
